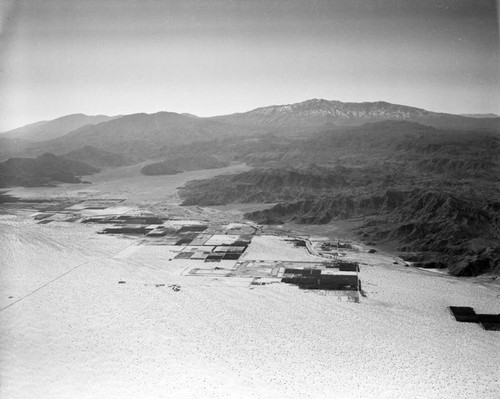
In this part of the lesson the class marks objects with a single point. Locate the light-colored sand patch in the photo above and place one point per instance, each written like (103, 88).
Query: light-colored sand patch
(111, 211)
(33, 254)
(182, 222)
(125, 253)
(276, 248)
(221, 239)
(127, 182)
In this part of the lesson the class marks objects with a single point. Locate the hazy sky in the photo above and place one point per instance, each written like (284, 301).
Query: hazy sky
(221, 56)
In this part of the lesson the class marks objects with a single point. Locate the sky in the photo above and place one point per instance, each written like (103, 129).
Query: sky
(214, 57)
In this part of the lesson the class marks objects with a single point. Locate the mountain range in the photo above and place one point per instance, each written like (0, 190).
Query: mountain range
(146, 136)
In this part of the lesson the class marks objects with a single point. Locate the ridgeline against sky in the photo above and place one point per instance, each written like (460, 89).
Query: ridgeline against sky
(217, 57)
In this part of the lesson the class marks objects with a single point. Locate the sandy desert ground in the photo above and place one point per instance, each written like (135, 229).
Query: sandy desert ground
(70, 329)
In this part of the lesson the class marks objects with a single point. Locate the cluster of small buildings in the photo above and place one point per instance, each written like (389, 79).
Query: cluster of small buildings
(335, 245)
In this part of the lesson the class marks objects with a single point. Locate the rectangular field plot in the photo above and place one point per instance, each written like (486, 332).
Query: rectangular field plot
(229, 249)
(222, 239)
(201, 239)
(198, 248)
(212, 272)
(193, 228)
(214, 257)
(184, 241)
(257, 269)
(200, 255)
(184, 255)
(267, 247)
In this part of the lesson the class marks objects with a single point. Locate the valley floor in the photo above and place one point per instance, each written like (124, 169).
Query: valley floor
(87, 315)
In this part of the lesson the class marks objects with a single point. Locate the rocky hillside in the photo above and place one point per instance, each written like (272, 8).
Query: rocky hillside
(270, 185)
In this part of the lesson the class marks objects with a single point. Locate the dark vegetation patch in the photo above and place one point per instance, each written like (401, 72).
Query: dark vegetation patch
(184, 255)
(214, 258)
(184, 241)
(140, 219)
(193, 228)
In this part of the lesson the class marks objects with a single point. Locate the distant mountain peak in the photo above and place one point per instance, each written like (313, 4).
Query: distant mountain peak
(319, 112)
(346, 110)
(489, 115)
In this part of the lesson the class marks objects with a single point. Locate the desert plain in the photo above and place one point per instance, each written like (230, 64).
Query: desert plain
(88, 315)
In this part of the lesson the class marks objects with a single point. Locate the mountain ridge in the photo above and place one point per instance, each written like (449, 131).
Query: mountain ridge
(143, 136)
(140, 136)
(317, 112)
(50, 129)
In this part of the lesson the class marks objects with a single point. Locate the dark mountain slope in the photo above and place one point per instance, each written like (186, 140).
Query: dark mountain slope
(47, 130)
(46, 169)
(10, 147)
(98, 158)
(270, 185)
(141, 136)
